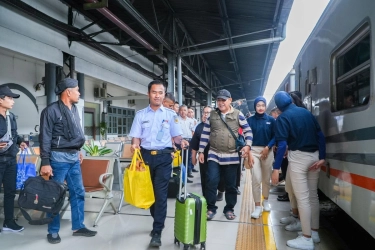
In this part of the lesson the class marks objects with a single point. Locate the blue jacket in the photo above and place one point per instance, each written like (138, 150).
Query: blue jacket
(297, 128)
(263, 127)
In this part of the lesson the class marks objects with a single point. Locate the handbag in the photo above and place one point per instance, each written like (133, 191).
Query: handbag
(240, 140)
(25, 170)
(41, 195)
(138, 189)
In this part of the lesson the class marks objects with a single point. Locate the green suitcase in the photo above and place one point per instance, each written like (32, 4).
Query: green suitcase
(190, 225)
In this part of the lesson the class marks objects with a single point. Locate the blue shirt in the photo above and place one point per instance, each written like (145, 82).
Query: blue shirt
(263, 127)
(155, 128)
(299, 128)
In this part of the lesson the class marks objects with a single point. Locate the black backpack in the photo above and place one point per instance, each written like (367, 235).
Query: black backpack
(41, 195)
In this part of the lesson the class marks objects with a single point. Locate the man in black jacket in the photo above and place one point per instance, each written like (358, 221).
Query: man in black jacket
(9, 140)
(61, 138)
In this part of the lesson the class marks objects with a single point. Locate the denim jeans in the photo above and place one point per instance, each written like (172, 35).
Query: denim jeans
(71, 173)
(160, 170)
(214, 171)
(8, 174)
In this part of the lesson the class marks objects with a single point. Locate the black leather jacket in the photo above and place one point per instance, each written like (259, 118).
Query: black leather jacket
(52, 133)
(13, 150)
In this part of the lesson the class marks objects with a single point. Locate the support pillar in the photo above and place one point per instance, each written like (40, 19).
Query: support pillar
(81, 84)
(81, 104)
(209, 98)
(292, 80)
(179, 79)
(171, 73)
(50, 82)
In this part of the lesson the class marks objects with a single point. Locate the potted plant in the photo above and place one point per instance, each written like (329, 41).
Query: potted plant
(95, 150)
(103, 129)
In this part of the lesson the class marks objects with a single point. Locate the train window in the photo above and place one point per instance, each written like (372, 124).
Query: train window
(351, 72)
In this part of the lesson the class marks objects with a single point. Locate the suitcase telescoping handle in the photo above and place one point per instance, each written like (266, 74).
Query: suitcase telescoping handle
(186, 173)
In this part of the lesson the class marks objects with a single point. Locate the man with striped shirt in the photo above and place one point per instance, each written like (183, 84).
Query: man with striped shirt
(222, 156)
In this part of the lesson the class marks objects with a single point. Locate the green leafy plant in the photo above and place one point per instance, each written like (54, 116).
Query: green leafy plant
(95, 150)
(103, 128)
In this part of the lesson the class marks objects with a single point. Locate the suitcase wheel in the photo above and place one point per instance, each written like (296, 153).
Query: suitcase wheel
(203, 245)
(176, 241)
(186, 246)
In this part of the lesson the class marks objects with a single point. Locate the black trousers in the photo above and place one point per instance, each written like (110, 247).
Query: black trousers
(160, 170)
(221, 186)
(8, 175)
(284, 167)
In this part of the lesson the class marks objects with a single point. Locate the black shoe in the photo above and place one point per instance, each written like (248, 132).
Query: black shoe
(194, 170)
(12, 226)
(284, 198)
(53, 240)
(219, 196)
(190, 175)
(189, 181)
(155, 240)
(84, 232)
(281, 195)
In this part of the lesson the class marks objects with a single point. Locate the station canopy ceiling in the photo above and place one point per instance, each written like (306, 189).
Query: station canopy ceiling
(227, 44)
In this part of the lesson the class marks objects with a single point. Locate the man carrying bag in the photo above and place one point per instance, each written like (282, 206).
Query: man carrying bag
(8, 151)
(61, 138)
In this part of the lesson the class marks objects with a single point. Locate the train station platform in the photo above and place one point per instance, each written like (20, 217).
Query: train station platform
(130, 228)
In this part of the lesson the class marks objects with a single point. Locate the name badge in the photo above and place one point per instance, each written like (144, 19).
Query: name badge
(159, 136)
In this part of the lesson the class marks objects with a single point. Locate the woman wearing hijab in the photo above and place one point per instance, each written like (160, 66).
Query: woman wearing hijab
(261, 163)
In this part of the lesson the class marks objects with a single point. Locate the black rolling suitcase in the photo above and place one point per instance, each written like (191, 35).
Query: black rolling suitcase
(190, 225)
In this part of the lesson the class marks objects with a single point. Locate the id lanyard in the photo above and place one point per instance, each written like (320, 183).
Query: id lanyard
(161, 131)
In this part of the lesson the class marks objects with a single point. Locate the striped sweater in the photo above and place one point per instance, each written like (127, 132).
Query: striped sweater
(220, 157)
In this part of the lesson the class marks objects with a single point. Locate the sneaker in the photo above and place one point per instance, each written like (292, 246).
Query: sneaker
(53, 240)
(189, 181)
(288, 220)
(314, 236)
(155, 240)
(194, 170)
(219, 196)
(257, 212)
(84, 232)
(295, 226)
(301, 242)
(190, 175)
(12, 226)
(266, 205)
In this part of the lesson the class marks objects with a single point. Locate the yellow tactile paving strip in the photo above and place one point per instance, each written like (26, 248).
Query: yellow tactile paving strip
(253, 234)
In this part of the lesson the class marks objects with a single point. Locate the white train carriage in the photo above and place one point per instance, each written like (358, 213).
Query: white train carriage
(335, 73)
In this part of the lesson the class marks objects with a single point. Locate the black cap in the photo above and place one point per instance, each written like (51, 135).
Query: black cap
(65, 84)
(223, 94)
(5, 90)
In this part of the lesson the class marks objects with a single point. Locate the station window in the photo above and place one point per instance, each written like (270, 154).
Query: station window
(351, 72)
(120, 121)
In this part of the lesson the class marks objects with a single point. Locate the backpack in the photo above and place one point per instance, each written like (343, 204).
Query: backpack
(41, 195)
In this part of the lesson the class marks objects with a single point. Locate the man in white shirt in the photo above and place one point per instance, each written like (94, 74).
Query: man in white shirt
(187, 126)
(191, 116)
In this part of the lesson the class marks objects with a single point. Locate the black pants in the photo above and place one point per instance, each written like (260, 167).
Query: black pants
(221, 186)
(8, 175)
(214, 172)
(284, 167)
(160, 169)
(203, 172)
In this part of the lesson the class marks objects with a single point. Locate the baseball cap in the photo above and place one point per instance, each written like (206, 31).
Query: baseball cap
(5, 90)
(223, 94)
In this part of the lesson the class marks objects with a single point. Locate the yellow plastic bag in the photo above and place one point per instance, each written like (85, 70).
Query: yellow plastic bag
(177, 159)
(138, 189)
